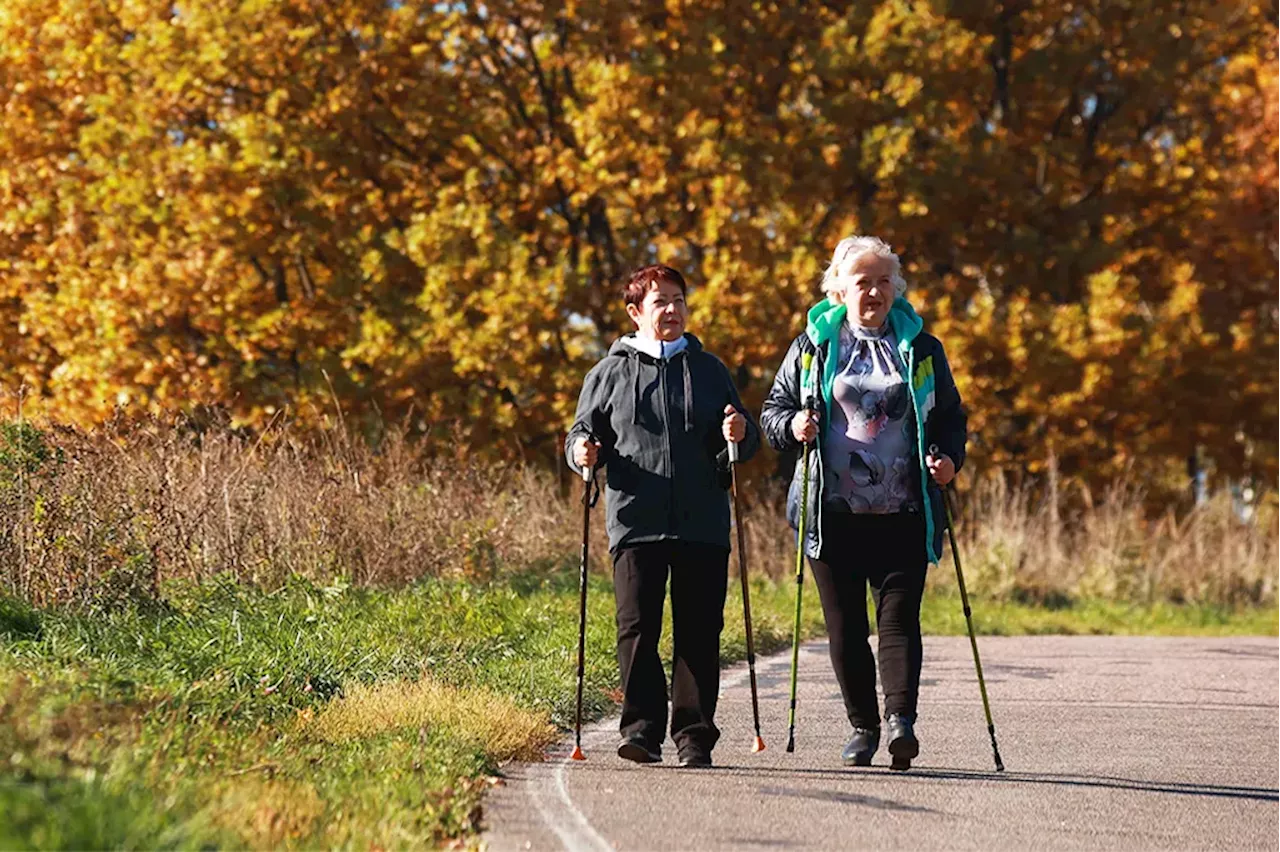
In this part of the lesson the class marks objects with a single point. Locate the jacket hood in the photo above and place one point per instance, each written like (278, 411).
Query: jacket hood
(621, 349)
(633, 358)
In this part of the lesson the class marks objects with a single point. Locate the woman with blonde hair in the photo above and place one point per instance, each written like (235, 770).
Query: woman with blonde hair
(877, 396)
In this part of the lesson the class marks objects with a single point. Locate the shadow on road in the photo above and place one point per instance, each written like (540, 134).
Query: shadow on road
(844, 799)
(1110, 782)
(881, 773)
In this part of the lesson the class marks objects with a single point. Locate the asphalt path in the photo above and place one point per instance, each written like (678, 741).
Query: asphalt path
(1108, 742)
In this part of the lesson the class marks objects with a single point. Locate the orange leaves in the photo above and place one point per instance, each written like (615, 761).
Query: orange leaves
(225, 201)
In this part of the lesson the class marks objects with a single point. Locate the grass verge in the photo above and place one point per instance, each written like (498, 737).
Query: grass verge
(943, 614)
(328, 716)
(338, 716)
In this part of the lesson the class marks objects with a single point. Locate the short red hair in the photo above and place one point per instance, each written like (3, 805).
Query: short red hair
(640, 282)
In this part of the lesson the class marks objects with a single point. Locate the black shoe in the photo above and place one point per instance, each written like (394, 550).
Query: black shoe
(635, 749)
(692, 757)
(861, 747)
(903, 745)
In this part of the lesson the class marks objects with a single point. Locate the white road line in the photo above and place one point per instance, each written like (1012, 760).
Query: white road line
(549, 790)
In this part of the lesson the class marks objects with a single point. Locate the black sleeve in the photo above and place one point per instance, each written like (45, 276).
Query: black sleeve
(750, 444)
(783, 402)
(592, 418)
(948, 424)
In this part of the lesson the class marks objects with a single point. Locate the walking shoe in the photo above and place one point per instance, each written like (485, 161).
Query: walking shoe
(903, 745)
(861, 747)
(635, 749)
(693, 757)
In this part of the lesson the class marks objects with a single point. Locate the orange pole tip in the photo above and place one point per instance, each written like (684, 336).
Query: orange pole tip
(758, 745)
(577, 754)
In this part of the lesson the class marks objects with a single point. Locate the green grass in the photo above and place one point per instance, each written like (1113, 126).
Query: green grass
(944, 615)
(205, 703)
(209, 720)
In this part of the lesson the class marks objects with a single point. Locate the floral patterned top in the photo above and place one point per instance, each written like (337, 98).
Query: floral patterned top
(868, 445)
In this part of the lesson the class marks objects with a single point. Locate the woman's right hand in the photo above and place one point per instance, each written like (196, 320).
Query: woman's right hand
(585, 453)
(804, 426)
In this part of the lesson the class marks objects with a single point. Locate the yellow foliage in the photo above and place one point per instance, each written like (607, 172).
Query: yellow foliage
(225, 202)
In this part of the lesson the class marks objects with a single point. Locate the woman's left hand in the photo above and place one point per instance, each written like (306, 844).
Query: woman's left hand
(734, 426)
(941, 468)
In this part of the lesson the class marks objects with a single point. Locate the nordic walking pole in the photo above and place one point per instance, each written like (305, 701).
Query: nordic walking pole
(582, 610)
(807, 363)
(758, 745)
(968, 618)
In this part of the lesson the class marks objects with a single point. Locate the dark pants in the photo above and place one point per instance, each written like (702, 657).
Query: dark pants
(699, 573)
(888, 551)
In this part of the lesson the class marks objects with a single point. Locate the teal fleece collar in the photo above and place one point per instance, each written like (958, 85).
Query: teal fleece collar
(823, 329)
(825, 318)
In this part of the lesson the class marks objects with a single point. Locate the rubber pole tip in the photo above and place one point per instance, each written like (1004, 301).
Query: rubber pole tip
(791, 746)
(577, 754)
(758, 745)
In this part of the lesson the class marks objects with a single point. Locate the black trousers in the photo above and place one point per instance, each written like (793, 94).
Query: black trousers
(887, 551)
(699, 574)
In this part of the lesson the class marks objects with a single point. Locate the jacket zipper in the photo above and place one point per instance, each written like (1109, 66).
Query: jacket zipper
(822, 476)
(925, 504)
(818, 369)
(666, 428)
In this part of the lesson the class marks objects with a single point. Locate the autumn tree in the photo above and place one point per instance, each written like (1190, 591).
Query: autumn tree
(424, 209)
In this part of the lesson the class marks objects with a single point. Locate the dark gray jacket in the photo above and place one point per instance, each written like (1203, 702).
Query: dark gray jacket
(658, 423)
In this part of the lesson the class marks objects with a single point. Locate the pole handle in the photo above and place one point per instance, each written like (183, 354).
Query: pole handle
(588, 470)
(733, 452)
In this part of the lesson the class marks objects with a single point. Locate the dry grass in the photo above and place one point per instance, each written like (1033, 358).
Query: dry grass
(114, 513)
(93, 517)
(1015, 545)
(267, 813)
(1022, 548)
(476, 716)
(39, 722)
